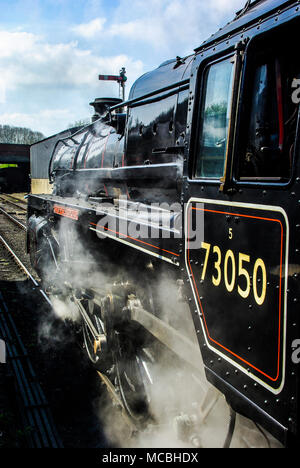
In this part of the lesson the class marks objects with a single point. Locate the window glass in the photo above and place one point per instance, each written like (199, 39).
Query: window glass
(267, 140)
(215, 119)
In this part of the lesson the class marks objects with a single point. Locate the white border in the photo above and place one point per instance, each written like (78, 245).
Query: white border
(251, 206)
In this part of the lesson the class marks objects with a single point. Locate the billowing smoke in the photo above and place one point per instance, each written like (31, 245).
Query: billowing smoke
(52, 332)
(186, 411)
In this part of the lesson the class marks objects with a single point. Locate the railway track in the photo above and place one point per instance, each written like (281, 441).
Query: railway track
(36, 419)
(35, 416)
(12, 230)
(13, 219)
(14, 201)
(14, 266)
(24, 270)
(14, 212)
(39, 429)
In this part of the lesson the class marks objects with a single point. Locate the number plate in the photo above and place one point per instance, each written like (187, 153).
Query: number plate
(70, 213)
(236, 257)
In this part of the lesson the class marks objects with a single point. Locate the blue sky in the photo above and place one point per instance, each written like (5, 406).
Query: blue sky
(53, 50)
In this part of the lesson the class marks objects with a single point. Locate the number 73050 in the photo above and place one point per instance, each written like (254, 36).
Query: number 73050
(239, 268)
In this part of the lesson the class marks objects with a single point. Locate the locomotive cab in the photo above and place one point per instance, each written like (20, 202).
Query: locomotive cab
(241, 180)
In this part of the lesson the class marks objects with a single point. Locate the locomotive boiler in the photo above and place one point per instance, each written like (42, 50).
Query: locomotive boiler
(173, 224)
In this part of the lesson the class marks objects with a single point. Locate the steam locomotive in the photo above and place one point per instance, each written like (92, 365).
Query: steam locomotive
(178, 207)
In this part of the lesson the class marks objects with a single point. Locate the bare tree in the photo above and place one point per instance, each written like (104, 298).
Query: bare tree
(19, 135)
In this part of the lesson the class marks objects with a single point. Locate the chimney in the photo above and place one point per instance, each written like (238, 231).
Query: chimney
(101, 106)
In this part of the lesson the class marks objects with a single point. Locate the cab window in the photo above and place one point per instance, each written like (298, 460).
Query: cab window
(214, 120)
(268, 117)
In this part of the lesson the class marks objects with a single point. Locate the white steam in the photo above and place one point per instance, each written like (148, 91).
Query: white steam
(187, 411)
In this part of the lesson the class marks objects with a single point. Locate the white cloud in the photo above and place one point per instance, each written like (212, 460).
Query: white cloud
(172, 23)
(91, 29)
(41, 63)
(16, 42)
(35, 74)
(172, 27)
(224, 6)
(145, 30)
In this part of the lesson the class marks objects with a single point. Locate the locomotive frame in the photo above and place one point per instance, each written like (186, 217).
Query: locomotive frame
(242, 280)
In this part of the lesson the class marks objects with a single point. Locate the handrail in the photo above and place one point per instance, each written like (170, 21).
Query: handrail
(148, 95)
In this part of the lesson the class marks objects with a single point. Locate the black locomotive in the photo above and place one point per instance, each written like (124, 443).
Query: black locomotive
(190, 197)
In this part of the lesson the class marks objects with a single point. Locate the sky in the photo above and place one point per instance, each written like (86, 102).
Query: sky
(52, 51)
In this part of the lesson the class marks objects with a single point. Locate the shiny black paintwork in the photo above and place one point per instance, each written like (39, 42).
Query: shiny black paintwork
(278, 411)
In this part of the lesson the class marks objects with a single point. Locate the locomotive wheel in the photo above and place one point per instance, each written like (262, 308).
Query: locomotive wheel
(134, 377)
(128, 357)
(154, 395)
(96, 351)
(135, 360)
(200, 417)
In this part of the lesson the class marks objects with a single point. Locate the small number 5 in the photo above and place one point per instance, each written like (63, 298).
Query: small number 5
(230, 233)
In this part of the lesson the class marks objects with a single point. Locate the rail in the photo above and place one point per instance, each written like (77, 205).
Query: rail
(12, 201)
(39, 429)
(35, 412)
(13, 219)
(21, 265)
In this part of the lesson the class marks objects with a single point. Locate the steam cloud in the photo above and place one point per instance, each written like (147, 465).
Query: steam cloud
(187, 411)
